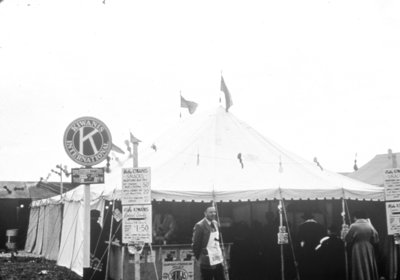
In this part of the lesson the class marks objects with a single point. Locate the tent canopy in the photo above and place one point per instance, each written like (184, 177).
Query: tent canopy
(215, 156)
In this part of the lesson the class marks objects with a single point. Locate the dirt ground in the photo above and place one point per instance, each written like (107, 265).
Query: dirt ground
(24, 266)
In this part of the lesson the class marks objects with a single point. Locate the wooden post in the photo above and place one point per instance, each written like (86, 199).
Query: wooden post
(86, 227)
(135, 143)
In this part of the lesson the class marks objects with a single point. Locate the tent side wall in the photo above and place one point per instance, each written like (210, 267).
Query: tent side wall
(32, 229)
(70, 254)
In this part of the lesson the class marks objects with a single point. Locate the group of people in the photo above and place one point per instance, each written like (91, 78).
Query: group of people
(324, 257)
(321, 254)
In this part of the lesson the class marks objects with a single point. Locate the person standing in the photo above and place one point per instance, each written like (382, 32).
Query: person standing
(98, 249)
(360, 239)
(309, 235)
(206, 246)
(331, 255)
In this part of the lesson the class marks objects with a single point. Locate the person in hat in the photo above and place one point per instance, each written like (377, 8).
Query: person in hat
(331, 255)
(97, 249)
(309, 235)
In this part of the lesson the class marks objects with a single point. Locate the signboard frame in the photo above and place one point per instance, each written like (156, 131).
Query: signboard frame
(392, 184)
(136, 186)
(93, 175)
(137, 224)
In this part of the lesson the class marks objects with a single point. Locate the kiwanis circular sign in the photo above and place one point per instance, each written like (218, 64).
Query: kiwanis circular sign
(87, 141)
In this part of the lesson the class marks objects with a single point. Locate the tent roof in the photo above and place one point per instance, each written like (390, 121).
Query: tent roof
(215, 156)
(31, 190)
(200, 159)
(372, 172)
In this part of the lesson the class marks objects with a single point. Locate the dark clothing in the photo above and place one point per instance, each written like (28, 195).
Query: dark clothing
(360, 238)
(201, 235)
(331, 258)
(216, 273)
(309, 235)
(98, 253)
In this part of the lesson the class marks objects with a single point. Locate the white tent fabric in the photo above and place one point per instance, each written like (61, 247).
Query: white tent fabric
(71, 246)
(216, 156)
(40, 232)
(32, 229)
(52, 231)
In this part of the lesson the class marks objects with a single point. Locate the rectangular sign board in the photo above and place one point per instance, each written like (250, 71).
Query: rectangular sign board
(136, 185)
(393, 217)
(392, 184)
(136, 224)
(178, 270)
(87, 175)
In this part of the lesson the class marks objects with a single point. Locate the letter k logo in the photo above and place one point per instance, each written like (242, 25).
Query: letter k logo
(83, 139)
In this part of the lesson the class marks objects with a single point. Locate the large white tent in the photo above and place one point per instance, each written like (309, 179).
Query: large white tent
(210, 156)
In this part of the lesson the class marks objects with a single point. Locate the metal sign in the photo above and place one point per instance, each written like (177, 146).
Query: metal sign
(178, 270)
(136, 185)
(392, 184)
(87, 141)
(87, 175)
(136, 224)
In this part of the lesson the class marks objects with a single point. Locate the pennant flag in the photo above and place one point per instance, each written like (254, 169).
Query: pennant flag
(190, 105)
(228, 97)
(355, 167)
(134, 139)
(117, 149)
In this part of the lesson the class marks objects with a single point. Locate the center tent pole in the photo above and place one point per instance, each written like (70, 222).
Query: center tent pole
(226, 270)
(345, 230)
(280, 242)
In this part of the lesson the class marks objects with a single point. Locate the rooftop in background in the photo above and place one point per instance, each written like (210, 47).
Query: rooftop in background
(31, 190)
(372, 171)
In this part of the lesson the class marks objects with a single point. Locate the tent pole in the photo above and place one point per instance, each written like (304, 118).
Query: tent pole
(86, 227)
(345, 229)
(226, 270)
(110, 239)
(281, 243)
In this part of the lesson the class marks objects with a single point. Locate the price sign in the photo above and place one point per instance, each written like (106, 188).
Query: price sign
(136, 185)
(136, 224)
(392, 184)
(393, 217)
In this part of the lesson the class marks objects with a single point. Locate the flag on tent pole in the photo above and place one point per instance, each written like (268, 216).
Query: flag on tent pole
(228, 97)
(117, 149)
(190, 105)
(134, 139)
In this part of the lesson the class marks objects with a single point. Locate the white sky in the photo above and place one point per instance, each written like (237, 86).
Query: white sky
(321, 78)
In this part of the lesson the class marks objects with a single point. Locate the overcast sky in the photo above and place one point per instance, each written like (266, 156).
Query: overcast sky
(321, 78)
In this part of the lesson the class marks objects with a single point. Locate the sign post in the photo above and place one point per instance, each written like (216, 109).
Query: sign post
(87, 141)
(136, 207)
(392, 197)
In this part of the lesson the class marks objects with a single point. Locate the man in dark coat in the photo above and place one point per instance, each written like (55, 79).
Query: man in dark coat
(309, 234)
(331, 255)
(206, 246)
(98, 248)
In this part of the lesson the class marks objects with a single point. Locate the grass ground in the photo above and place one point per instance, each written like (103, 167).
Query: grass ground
(25, 266)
